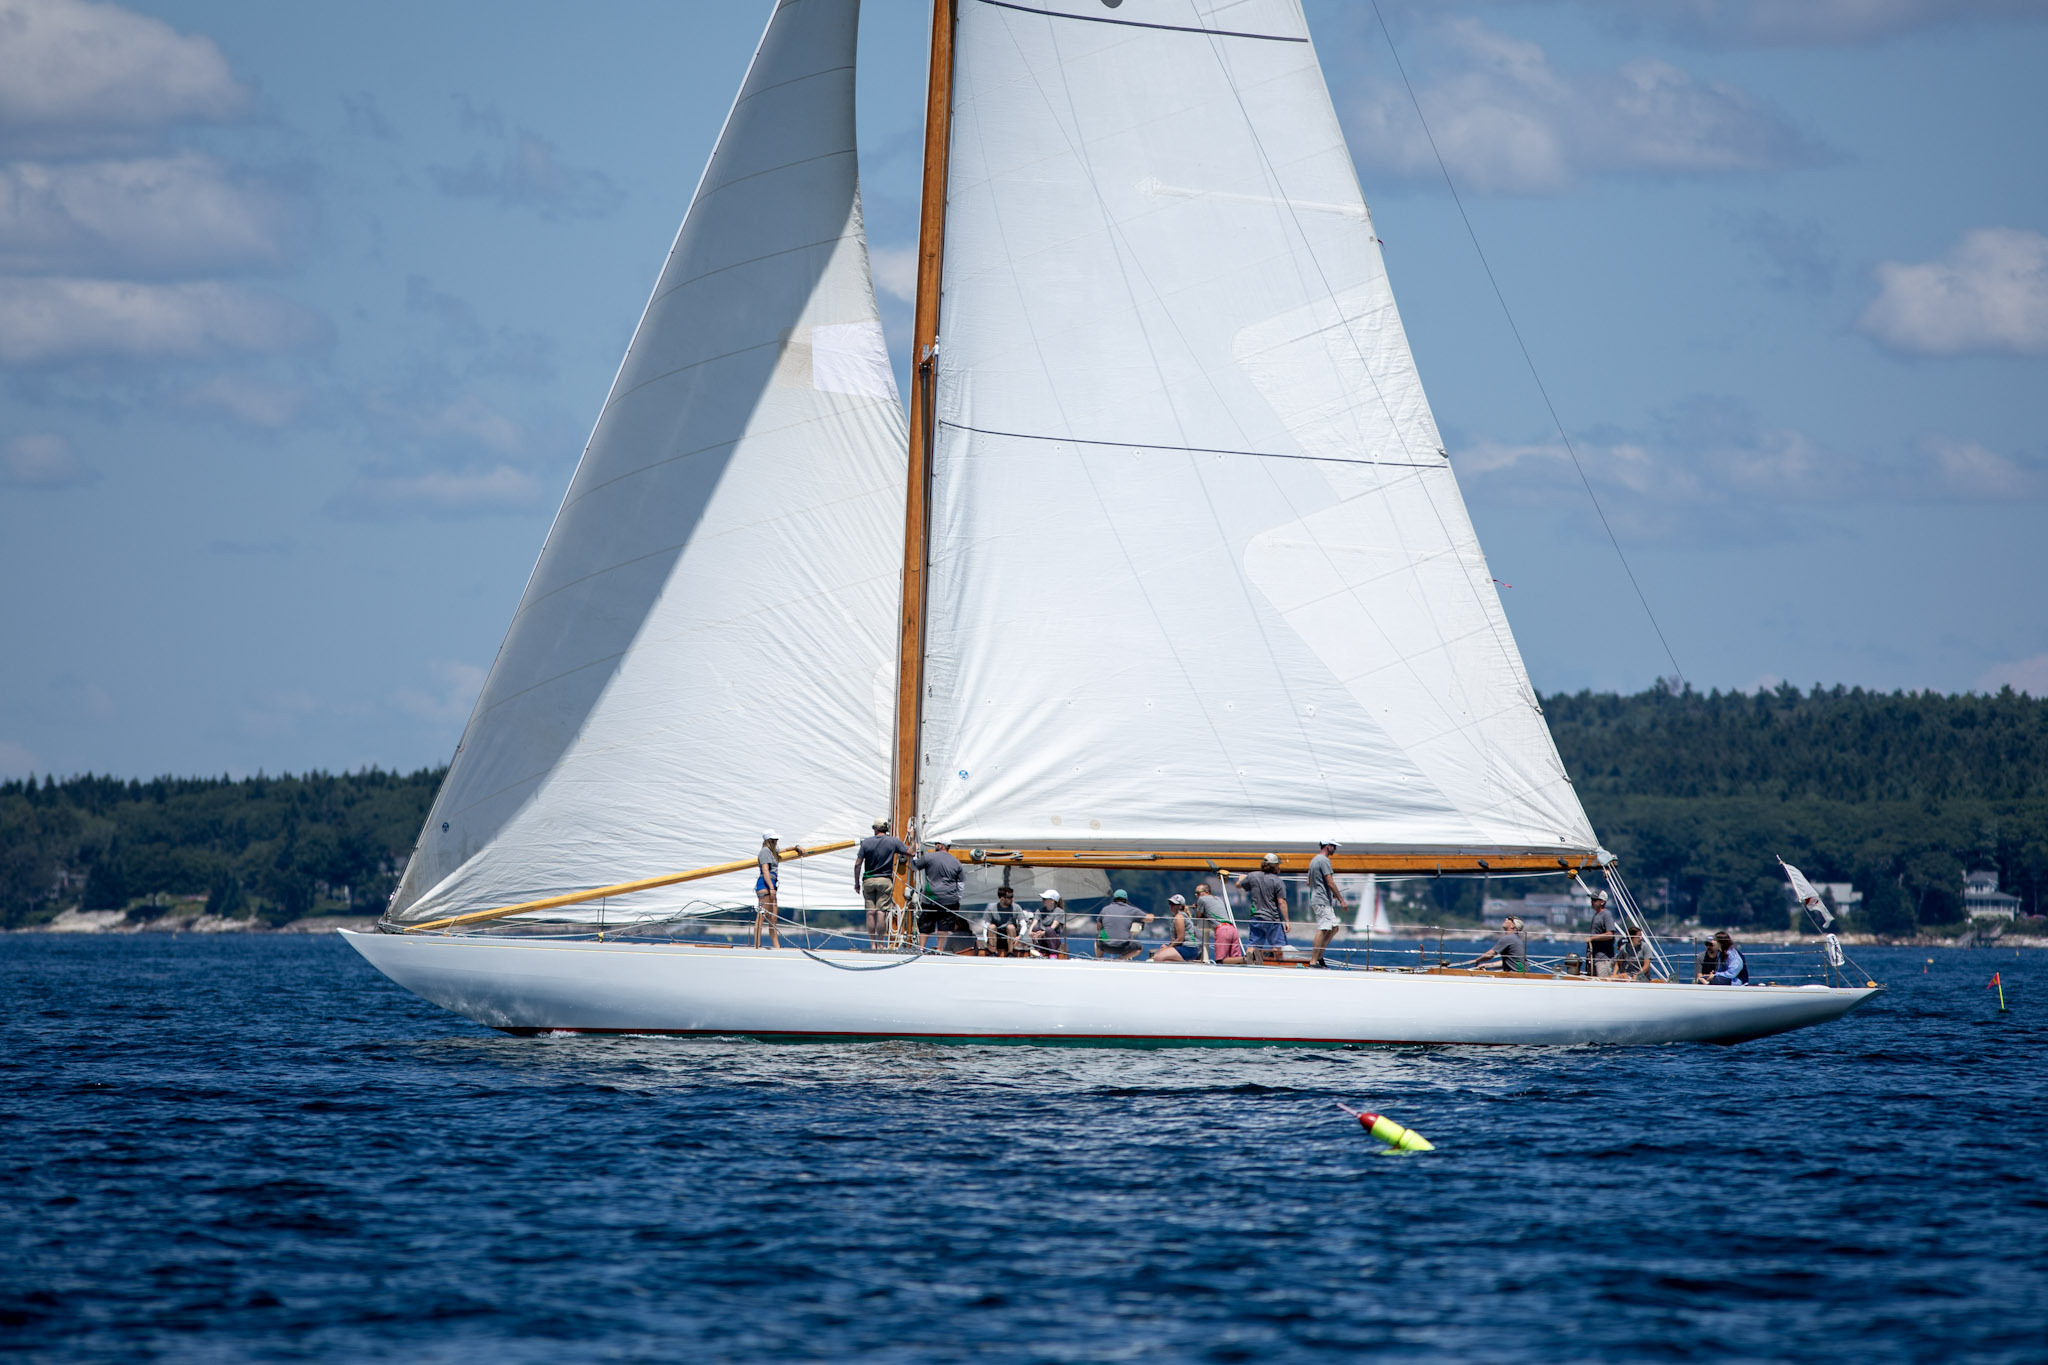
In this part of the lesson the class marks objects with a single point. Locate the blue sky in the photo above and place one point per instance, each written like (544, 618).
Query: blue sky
(305, 312)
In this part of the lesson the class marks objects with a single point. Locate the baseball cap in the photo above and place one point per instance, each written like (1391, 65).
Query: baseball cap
(769, 835)
(1270, 858)
(1048, 895)
(1176, 900)
(881, 823)
(1329, 843)
(1120, 894)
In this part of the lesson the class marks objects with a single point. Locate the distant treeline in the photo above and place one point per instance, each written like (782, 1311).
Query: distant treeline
(1895, 792)
(271, 848)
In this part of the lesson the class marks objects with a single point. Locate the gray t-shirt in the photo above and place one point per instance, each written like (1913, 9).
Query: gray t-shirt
(1117, 921)
(1266, 892)
(1603, 923)
(1513, 950)
(769, 865)
(942, 870)
(1320, 873)
(878, 855)
(1215, 908)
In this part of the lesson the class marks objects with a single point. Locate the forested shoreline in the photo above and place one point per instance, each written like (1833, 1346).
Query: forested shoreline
(1696, 792)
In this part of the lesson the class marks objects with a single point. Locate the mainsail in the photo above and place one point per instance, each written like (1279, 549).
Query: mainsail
(705, 644)
(1201, 575)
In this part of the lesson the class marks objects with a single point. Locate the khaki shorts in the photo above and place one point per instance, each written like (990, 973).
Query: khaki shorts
(1326, 914)
(879, 893)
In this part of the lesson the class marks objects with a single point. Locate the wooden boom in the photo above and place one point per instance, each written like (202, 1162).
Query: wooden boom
(1204, 860)
(621, 888)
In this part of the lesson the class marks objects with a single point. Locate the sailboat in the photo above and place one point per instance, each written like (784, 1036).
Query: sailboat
(1168, 569)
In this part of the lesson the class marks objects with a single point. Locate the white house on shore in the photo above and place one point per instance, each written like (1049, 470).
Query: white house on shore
(1983, 900)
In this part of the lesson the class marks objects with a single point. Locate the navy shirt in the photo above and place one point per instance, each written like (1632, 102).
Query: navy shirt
(878, 855)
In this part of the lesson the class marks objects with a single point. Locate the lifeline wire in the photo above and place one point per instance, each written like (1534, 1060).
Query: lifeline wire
(1523, 346)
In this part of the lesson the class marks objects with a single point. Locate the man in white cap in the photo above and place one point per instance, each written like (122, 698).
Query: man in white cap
(1049, 934)
(1324, 900)
(943, 880)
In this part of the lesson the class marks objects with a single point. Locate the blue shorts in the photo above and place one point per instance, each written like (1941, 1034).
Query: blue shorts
(1267, 933)
(1190, 952)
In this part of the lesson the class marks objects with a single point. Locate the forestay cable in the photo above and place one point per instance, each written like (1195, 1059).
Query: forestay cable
(1523, 346)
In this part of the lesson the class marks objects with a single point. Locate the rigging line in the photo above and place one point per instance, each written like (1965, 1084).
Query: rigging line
(1134, 23)
(1521, 345)
(1192, 450)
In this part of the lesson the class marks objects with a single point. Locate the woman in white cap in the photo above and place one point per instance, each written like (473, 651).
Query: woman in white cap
(1049, 934)
(1181, 947)
(767, 909)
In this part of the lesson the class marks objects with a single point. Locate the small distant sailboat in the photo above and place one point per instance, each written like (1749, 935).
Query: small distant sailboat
(1168, 569)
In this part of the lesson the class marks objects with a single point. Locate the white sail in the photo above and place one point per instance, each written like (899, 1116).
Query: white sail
(704, 649)
(1201, 573)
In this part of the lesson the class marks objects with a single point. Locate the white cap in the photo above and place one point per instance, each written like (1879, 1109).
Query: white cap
(769, 836)
(1329, 843)
(1176, 900)
(1048, 895)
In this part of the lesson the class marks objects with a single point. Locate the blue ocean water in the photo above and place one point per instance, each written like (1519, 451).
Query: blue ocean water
(238, 1148)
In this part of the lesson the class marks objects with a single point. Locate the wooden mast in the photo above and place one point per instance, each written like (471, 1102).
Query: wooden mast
(931, 238)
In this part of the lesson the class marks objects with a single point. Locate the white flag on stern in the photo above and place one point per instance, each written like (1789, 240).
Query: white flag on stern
(1808, 897)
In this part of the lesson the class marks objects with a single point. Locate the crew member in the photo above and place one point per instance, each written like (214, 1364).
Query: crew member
(1324, 900)
(1049, 933)
(768, 876)
(1601, 939)
(1268, 895)
(1181, 947)
(943, 879)
(1005, 923)
(874, 876)
(1119, 918)
(1512, 948)
(1732, 969)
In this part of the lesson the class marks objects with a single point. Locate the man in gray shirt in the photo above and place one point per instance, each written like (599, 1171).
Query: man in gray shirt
(1601, 939)
(874, 876)
(1512, 948)
(1118, 917)
(943, 880)
(1324, 899)
(1268, 895)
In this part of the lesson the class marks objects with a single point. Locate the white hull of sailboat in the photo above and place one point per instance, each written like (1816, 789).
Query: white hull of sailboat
(526, 985)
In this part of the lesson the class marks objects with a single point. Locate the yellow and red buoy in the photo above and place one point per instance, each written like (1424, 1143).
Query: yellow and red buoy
(1387, 1131)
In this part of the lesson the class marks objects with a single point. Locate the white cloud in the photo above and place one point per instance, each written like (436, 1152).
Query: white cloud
(2021, 675)
(75, 74)
(1990, 293)
(452, 693)
(529, 176)
(48, 320)
(17, 761)
(438, 493)
(166, 215)
(895, 269)
(1506, 120)
(42, 460)
(254, 402)
(1967, 470)
(1808, 22)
